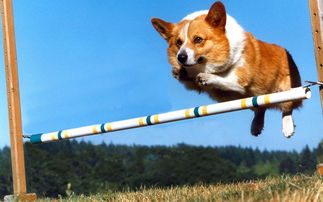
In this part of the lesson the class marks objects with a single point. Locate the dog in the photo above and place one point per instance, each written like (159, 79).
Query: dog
(210, 52)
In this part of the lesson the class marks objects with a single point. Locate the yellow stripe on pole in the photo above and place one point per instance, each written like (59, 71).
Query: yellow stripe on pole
(204, 110)
(141, 121)
(156, 120)
(94, 129)
(54, 136)
(187, 113)
(266, 99)
(65, 134)
(244, 103)
(109, 126)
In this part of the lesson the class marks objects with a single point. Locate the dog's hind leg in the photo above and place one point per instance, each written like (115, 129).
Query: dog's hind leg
(257, 124)
(287, 119)
(288, 124)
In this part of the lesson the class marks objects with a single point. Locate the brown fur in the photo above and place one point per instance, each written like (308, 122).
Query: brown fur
(268, 68)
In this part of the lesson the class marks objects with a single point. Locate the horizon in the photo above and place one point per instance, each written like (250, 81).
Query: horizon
(177, 145)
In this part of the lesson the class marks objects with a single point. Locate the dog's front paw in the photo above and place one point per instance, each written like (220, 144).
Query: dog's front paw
(180, 74)
(176, 73)
(202, 79)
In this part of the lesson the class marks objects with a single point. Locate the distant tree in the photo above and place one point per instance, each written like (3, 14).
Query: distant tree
(245, 173)
(319, 152)
(287, 166)
(249, 157)
(307, 162)
(267, 168)
(5, 172)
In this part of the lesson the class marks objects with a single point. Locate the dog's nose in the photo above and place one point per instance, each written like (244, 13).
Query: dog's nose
(182, 57)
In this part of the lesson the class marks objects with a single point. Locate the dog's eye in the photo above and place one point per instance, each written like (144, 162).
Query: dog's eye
(198, 40)
(179, 42)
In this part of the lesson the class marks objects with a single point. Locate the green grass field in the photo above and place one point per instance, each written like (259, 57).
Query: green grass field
(297, 188)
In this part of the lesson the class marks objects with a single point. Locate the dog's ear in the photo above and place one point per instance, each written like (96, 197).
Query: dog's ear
(164, 28)
(217, 16)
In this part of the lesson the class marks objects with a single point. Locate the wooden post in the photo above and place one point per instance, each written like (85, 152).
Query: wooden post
(319, 169)
(17, 152)
(16, 143)
(316, 12)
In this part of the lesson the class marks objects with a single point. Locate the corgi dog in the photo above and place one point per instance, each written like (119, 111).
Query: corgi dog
(210, 52)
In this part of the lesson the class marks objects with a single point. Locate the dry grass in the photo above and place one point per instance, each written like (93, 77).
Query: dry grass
(297, 188)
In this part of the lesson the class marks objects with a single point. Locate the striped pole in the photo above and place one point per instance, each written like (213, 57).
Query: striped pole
(246, 103)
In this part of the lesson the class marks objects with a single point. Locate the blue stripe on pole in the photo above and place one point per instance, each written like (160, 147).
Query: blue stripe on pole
(148, 120)
(102, 128)
(59, 135)
(196, 111)
(254, 101)
(36, 138)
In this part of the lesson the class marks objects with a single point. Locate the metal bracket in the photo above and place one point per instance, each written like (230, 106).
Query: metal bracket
(26, 136)
(313, 83)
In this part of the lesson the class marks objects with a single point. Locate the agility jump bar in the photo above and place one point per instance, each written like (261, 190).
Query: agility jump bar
(294, 94)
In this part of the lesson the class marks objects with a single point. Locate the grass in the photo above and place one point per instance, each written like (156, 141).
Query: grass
(297, 188)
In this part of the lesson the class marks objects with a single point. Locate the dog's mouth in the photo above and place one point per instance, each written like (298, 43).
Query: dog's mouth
(199, 61)
(187, 65)
(188, 71)
(183, 75)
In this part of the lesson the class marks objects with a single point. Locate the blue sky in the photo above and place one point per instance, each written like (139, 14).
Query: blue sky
(87, 62)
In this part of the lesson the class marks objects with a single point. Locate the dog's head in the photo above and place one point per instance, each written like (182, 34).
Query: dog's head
(197, 43)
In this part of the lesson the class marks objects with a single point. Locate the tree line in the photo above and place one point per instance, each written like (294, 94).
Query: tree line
(66, 167)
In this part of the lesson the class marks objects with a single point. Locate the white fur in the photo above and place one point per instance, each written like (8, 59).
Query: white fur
(227, 83)
(194, 15)
(236, 36)
(229, 79)
(190, 53)
(185, 30)
(190, 56)
(288, 125)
